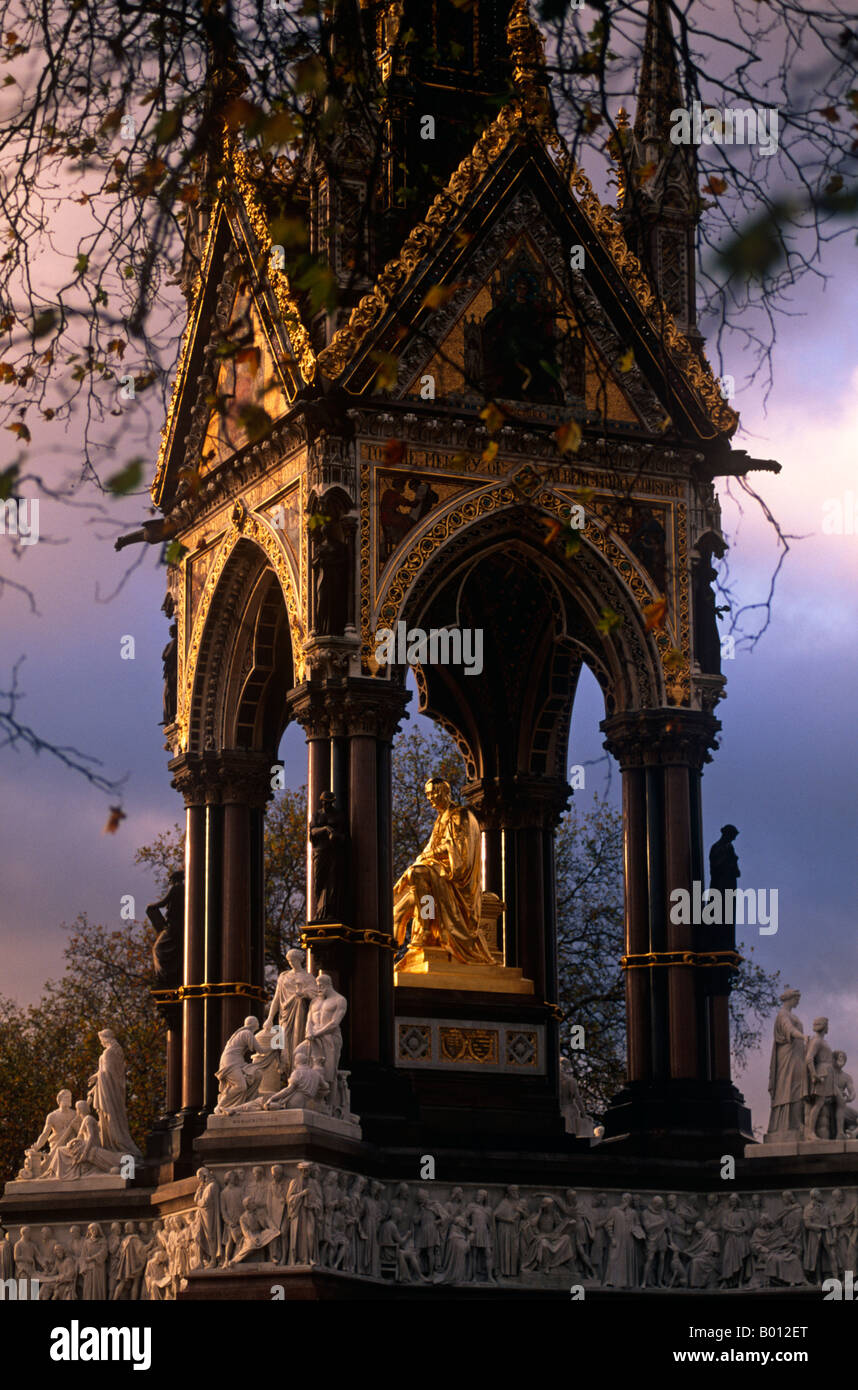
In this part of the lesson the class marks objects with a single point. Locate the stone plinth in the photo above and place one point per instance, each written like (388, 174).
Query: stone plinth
(803, 1148)
(431, 967)
(249, 1122)
(49, 1187)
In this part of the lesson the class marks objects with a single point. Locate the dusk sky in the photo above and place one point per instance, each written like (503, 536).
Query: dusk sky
(784, 774)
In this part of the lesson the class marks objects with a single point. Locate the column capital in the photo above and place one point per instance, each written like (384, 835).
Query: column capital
(661, 738)
(233, 775)
(355, 705)
(518, 803)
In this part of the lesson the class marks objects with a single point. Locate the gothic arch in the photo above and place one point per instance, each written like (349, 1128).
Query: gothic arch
(246, 648)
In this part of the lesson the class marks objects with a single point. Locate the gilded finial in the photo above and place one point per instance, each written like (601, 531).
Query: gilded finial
(526, 48)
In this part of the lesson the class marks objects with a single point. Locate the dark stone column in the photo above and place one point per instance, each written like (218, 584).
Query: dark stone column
(677, 974)
(353, 720)
(245, 788)
(189, 778)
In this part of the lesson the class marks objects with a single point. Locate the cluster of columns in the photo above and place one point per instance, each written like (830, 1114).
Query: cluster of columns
(677, 974)
(222, 966)
(349, 723)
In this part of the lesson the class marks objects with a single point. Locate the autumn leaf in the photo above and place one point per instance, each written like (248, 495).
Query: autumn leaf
(7, 374)
(174, 553)
(490, 452)
(553, 527)
(394, 451)
(830, 114)
(572, 544)
(673, 660)
(646, 172)
(387, 372)
(280, 129)
(166, 126)
(8, 479)
(655, 614)
(569, 437)
(626, 360)
(834, 185)
(239, 114)
(44, 322)
(128, 479)
(608, 620)
(19, 429)
(115, 818)
(118, 346)
(437, 295)
(493, 417)
(715, 184)
(111, 122)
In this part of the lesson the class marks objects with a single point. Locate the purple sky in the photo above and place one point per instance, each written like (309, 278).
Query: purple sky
(784, 774)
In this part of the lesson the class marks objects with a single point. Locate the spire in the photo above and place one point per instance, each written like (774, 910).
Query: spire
(526, 48)
(660, 90)
(659, 199)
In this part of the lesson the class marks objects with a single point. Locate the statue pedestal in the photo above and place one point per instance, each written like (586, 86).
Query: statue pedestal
(431, 967)
(272, 1123)
(53, 1187)
(793, 1148)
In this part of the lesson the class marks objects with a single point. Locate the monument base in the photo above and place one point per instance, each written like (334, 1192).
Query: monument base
(431, 967)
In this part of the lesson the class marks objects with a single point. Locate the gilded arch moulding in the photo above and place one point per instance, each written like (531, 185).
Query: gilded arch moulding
(673, 644)
(244, 526)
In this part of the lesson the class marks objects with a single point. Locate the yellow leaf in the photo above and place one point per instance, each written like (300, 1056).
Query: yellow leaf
(626, 360)
(493, 417)
(437, 295)
(490, 452)
(568, 437)
(655, 614)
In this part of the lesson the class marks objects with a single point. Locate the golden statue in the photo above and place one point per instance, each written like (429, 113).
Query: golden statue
(439, 896)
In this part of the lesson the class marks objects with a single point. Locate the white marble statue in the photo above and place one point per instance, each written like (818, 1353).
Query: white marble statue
(327, 1011)
(107, 1096)
(288, 1009)
(575, 1117)
(60, 1126)
(238, 1078)
(307, 1087)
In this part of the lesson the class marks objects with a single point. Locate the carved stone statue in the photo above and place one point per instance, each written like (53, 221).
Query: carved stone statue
(60, 1126)
(845, 1116)
(787, 1071)
(723, 863)
(107, 1095)
(238, 1078)
(288, 1009)
(819, 1099)
(326, 1013)
(439, 896)
(575, 1117)
(170, 926)
(93, 1263)
(83, 1155)
(331, 588)
(306, 1087)
(707, 642)
(170, 666)
(207, 1203)
(329, 849)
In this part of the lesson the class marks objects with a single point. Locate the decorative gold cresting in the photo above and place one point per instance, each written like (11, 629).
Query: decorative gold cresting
(168, 428)
(278, 279)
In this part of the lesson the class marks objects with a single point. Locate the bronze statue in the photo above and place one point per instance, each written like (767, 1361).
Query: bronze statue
(329, 849)
(440, 896)
(723, 863)
(170, 664)
(170, 926)
(707, 641)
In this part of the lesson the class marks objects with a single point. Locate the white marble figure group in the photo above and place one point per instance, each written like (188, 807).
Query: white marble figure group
(290, 1214)
(299, 1045)
(77, 1143)
(811, 1093)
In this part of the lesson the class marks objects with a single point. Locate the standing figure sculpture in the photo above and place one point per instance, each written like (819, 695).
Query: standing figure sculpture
(295, 987)
(169, 923)
(440, 896)
(787, 1072)
(723, 862)
(327, 1012)
(328, 850)
(820, 1095)
(107, 1095)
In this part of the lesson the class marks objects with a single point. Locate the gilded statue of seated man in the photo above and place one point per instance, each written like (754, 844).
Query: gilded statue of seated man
(439, 896)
